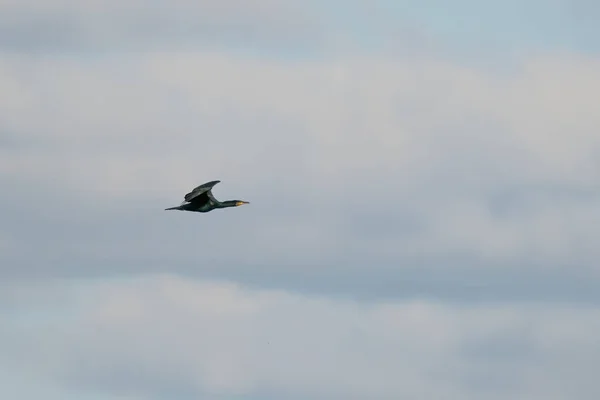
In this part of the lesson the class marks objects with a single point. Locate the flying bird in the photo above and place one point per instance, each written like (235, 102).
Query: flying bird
(202, 200)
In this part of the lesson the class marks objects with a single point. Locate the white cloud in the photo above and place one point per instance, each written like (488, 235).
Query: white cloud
(450, 160)
(369, 177)
(148, 336)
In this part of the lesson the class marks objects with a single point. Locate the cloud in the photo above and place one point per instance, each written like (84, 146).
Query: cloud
(100, 25)
(364, 174)
(421, 225)
(162, 334)
(289, 28)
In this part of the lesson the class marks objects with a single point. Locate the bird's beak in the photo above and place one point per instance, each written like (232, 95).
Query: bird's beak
(241, 203)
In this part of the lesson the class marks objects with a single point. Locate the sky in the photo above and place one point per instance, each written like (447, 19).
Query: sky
(423, 187)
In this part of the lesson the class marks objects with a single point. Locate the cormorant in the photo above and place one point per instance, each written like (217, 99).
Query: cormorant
(202, 200)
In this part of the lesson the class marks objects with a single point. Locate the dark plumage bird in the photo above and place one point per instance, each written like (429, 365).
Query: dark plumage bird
(201, 199)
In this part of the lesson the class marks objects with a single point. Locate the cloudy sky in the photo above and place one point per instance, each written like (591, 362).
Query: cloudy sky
(424, 188)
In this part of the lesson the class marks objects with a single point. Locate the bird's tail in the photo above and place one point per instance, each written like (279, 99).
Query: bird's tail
(173, 208)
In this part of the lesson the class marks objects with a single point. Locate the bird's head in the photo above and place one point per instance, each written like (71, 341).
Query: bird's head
(240, 203)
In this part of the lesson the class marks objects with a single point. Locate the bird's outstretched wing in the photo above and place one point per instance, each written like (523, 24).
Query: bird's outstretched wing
(200, 190)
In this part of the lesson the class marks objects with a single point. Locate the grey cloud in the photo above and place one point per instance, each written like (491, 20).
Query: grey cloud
(82, 240)
(471, 193)
(161, 336)
(35, 26)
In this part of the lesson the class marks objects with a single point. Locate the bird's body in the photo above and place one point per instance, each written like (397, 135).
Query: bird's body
(202, 200)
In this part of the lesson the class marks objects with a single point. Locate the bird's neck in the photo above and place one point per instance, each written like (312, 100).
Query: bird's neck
(228, 203)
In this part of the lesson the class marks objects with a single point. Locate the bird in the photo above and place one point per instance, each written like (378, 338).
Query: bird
(201, 199)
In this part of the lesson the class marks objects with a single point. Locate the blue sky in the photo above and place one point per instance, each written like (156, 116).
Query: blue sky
(533, 25)
(465, 26)
(487, 28)
(422, 224)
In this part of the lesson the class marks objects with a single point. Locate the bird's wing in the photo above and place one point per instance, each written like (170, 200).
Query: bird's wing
(205, 187)
(211, 197)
